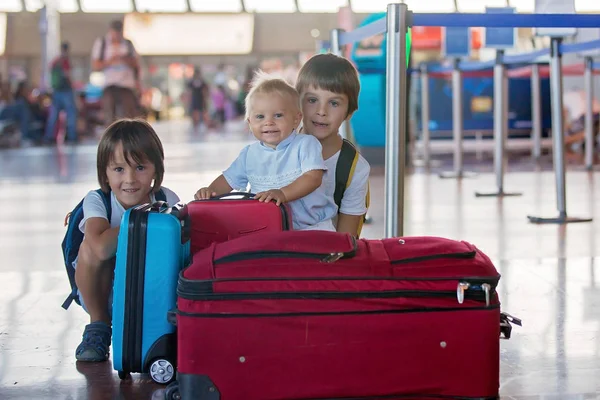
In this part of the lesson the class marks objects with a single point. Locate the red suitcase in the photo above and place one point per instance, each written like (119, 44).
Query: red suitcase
(320, 315)
(233, 215)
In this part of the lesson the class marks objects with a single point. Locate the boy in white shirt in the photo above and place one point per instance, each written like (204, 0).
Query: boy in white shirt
(328, 86)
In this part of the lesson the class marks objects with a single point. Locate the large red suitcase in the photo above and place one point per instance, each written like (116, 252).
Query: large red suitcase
(232, 215)
(320, 315)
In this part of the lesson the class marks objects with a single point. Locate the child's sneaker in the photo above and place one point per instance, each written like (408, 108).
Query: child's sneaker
(95, 344)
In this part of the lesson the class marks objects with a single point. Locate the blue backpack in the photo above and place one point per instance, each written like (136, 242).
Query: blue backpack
(74, 237)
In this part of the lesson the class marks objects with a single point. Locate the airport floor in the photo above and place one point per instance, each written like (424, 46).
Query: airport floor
(550, 274)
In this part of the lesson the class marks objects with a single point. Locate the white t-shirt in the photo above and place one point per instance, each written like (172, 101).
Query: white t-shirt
(93, 206)
(121, 75)
(353, 201)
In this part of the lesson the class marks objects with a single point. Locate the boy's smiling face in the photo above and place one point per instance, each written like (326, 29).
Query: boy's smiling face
(323, 112)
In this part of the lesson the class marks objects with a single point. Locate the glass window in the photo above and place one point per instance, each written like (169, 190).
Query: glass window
(2, 33)
(161, 34)
(478, 6)
(64, 6)
(10, 5)
(523, 5)
(587, 5)
(161, 5)
(108, 6)
(370, 6)
(320, 6)
(270, 6)
(437, 6)
(216, 5)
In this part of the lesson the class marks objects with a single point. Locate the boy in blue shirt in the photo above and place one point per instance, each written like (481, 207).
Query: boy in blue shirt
(283, 165)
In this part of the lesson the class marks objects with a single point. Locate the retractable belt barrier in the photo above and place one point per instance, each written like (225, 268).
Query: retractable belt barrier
(395, 26)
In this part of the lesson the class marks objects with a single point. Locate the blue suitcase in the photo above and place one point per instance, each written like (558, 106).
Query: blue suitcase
(153, 247)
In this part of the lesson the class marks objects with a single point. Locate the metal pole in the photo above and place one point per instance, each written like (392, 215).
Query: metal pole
(457, 117)
(457, 123)
(500, 125)
(334, 42)
(500, 118)
(589, 112)
(425, 114)
(558, 138)
(536, 111)
(556, 89)
(395, 145)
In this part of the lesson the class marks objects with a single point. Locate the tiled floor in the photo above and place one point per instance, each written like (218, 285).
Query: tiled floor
(550, 275)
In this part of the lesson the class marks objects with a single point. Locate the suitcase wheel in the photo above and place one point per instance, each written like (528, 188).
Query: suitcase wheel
(172, 392)
(162, 371)
(123, 375)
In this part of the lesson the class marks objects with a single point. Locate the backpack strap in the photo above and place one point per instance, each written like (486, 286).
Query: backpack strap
(344, 170)
(160, 195)
(102, 48)
(107, 203)
(129, 47)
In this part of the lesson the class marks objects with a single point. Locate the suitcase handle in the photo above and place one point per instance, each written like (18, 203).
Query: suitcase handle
(159, 206)
(244, 195)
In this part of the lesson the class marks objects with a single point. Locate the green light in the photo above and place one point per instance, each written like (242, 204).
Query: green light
(408, 44)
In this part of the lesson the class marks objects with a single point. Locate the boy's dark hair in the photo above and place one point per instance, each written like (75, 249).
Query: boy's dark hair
(333, 73)
(116, 25)
(140, 144)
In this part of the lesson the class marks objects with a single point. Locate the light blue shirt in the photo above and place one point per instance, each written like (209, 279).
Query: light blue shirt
(265, 168)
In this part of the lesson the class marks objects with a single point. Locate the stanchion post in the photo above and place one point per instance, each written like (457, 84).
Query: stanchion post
(457, 117)
(558, 139)
(335, 48)
(589, 112)
(425, 114)
(457, 123)
(500, 126)
(395, 127)
(536, 112)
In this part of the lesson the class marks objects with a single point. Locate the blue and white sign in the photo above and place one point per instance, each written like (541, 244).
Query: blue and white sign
(500, 38)
(457, 42)
(587, 35)
(555, 7)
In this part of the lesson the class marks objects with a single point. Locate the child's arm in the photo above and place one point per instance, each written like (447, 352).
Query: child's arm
(217, 187)
(349, 223)
(304, 185)
(101, 238)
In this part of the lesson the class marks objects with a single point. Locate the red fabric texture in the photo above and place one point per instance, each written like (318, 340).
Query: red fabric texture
(215, 221)
(257, 346)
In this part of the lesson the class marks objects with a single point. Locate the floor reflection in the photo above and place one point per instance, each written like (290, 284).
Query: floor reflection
(549, 273)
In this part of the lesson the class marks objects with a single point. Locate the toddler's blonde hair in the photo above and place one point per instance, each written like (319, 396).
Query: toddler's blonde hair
(264, 83)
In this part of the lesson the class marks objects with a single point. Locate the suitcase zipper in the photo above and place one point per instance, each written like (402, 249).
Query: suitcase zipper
(188, 294)
(253, 255)
(461, 256)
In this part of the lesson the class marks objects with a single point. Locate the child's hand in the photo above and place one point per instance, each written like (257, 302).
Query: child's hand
(204, 194)
(273, 194)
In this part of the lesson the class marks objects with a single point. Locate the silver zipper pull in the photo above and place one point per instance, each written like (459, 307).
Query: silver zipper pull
(486, 288)
(331, 258)
(460, 291)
